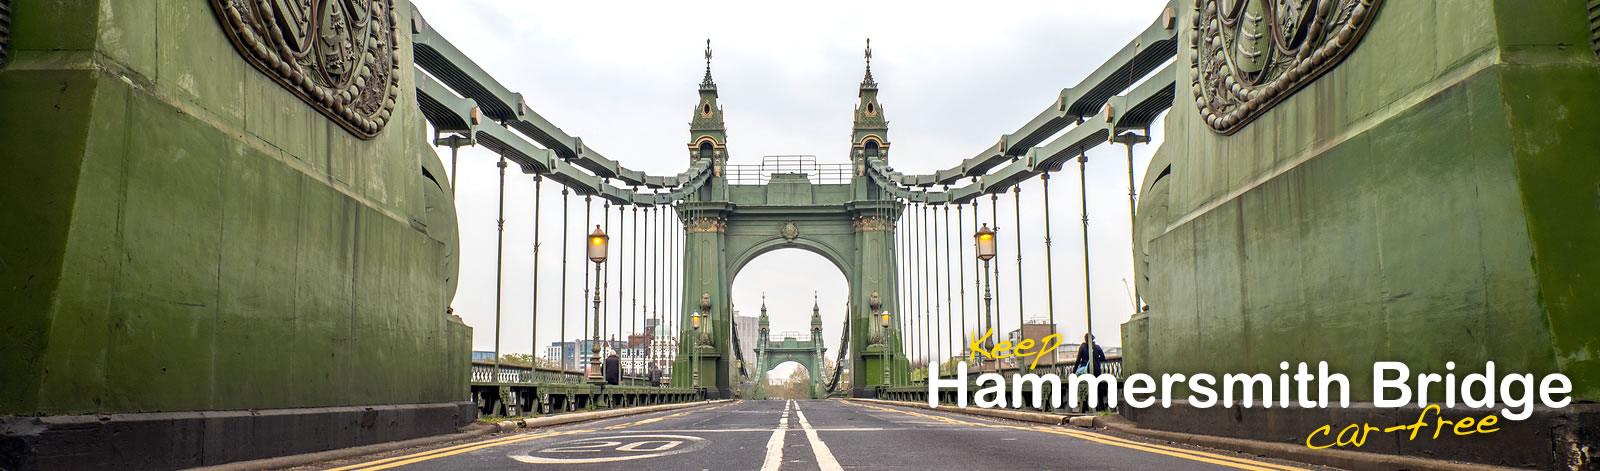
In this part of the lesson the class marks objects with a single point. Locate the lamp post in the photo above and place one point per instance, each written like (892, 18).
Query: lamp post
(875, 305)
(695, 346)
(887, 359)
(984, 239)
(597, 254)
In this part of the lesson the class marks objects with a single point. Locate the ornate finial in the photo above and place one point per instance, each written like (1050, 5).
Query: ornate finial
(867, 82)
(707, 84)
(869, 53)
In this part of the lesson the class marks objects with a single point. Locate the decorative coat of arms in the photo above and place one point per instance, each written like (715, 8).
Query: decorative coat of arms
(340, 56)
(789, 231)
(1247, 55)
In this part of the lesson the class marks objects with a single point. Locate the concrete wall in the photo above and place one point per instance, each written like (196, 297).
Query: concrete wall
(182, 233)
(1431, 199)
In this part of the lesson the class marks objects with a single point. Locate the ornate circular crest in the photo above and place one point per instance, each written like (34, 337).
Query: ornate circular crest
(341, 56)
(789, 231)
(1247, 55)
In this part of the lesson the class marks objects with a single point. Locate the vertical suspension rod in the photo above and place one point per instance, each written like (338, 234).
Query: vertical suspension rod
(933, 327)
(1022, 324)
(927, 292)
(633, 317)
(917, 301)
(961, 271)
(1049, 265)
(1133, 217)
(533, 340)
(622, 244)
(1088, 303)
(561, 330)
(499, 256)
(949, 294)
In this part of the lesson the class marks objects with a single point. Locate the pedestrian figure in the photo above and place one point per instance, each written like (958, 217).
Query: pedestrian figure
(1083, 366)
(613, 367)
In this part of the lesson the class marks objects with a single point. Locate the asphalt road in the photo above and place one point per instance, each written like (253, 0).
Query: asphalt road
(808, 435)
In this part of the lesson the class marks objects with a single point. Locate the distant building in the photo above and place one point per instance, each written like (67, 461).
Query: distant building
(479, 355)
(563, 353)
(745, 328)
(1037, 330)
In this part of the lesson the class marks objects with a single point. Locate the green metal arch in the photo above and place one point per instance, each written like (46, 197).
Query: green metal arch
(778, 243)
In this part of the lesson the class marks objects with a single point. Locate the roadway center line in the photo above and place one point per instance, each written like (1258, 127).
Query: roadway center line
(775, 444)
(825, 459)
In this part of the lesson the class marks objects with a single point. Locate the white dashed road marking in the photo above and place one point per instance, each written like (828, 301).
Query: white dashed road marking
(825, 459)
(774, 459)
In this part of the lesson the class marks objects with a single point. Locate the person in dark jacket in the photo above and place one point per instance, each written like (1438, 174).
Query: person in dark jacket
(1083, 355)
(613, 367)
(1083, 366)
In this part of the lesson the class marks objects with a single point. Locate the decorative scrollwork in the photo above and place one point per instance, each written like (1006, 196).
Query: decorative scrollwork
(1247, 55)
(341, 56)
(708, 225)
(5, 30)
(869, 224)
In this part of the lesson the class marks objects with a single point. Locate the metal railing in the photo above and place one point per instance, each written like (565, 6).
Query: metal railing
(777, 338)
(484, 373)
(1112, 366)
(761, 174)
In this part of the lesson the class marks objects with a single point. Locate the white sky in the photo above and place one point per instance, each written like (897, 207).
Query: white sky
(952, 80)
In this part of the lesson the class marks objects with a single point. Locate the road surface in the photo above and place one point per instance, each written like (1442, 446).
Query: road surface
(808, 435)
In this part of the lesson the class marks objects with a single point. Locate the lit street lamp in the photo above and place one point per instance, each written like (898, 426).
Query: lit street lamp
(876, 305)
(886, 358)
(597, 254)
(695, 345)
(984, 239)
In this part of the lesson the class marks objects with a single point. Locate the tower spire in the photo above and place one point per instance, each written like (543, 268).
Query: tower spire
(707, 83)
(867, 82)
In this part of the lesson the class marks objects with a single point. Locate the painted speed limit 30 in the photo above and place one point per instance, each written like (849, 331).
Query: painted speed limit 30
(610, 449)
(824, 435)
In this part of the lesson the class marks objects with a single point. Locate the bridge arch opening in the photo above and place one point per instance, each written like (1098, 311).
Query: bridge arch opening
(788, 380)
(793, 283)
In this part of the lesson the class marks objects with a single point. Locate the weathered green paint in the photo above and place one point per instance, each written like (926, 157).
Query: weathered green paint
(808, 353)
(191, 236)
(1433, 198)
(728, 225)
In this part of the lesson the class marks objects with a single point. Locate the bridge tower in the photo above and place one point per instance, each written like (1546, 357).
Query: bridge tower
(763, 339)
(840, 213)
(817, 375)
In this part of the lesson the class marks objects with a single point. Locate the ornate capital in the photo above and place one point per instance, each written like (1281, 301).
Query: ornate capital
(1248, 55)
(342, 58)
(869, 224)
(712, 224)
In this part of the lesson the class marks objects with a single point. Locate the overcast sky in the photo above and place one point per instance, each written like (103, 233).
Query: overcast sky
(952, 80)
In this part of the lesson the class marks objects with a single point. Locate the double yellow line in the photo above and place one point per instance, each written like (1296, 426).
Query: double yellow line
(1220, 460)
(398, 461)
